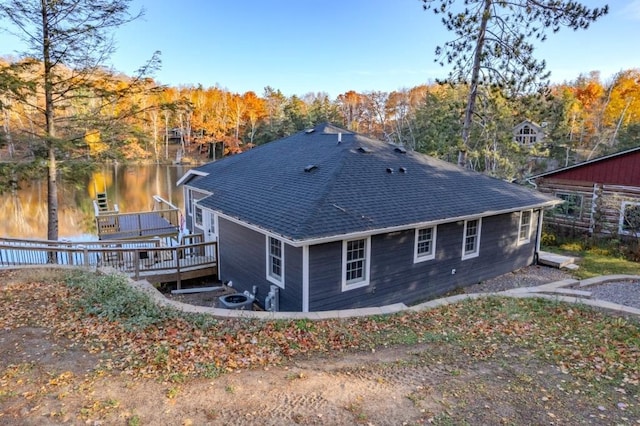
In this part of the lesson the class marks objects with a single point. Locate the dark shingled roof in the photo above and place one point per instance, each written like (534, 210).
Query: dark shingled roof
(357, 185)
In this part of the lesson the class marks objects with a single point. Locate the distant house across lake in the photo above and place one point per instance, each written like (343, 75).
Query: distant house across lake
(528, 133)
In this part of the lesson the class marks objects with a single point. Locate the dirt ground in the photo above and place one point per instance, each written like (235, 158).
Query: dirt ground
(46, 379)
(53, 382)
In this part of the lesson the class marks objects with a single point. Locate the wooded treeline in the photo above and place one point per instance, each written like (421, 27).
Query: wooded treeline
(582, 119)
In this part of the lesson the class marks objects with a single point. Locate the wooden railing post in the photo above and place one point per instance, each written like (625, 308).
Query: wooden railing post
(136, 263)
(86, 259)
(179, 281)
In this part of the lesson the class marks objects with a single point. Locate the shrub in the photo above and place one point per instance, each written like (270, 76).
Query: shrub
(548, 239)
(112, 298)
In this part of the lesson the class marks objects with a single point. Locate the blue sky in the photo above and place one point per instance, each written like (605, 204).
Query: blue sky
(332, 46)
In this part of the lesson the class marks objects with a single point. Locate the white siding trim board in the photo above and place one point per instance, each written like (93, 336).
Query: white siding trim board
(305, 279)
(369, 233)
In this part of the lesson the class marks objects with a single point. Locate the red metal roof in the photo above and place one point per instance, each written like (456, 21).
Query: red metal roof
(617, 169)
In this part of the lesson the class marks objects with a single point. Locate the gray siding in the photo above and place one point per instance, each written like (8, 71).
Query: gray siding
(395, 278)
(243, 261)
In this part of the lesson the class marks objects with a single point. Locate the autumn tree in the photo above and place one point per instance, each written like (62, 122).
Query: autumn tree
(71, 40)
(352, 108)
(255, 110)
(623, 107)
(494, 44)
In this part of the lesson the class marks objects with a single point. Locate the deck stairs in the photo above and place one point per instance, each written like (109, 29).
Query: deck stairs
(557, 260)
(102, 201)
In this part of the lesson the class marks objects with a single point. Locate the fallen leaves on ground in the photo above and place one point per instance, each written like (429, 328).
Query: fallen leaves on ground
(586, 343)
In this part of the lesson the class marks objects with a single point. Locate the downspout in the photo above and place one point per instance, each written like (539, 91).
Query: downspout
(532, 183)
(538, 237)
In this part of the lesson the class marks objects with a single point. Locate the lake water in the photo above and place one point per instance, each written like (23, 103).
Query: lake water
(131, 187)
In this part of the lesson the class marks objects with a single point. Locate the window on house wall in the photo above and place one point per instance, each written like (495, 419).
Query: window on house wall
(572, 206)
(355, 263)
(630, 219)
(198, 216)
(275, 261)
(524, 230)
(526, 136)
(425, 244)
(189, 201)
(471, 240)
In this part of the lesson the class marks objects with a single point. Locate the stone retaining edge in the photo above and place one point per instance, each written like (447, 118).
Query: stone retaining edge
(524, 292)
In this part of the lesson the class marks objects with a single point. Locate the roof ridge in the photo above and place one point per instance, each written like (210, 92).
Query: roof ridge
(327, 189)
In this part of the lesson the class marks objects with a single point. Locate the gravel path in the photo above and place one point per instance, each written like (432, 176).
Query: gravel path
(625, 292)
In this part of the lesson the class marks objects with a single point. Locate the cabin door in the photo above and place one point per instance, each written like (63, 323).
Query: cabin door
(211, 226)
(211, 231)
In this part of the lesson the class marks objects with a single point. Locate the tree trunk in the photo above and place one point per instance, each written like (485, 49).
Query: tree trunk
(52, 188)
(473, 89)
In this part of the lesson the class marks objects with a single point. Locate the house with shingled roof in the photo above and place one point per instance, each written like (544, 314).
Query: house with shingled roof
(336, 220)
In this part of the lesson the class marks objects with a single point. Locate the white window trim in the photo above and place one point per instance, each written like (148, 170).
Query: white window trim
(621, 220)
(526, 240)
(367, 267)
(189, 202)
(195, 216)
(271, 278)
(476, 251)
(423, 257)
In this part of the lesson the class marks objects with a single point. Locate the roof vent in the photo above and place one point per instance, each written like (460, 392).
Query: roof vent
(400, 149)
(339, 137)
(389, 170)
(364, 150)
(403, 169)
(310, 168)
(311, 130)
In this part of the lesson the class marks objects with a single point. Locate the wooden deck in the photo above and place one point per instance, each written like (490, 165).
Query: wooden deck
(162, 221)
(140, 259)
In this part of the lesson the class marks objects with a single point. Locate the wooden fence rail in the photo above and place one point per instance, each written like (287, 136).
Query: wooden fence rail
(140, 259)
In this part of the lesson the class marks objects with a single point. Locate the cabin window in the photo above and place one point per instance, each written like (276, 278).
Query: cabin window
(425, 244)
(572, 206)
(630, 219)
(275, 261)
(198, 216)
(524, 230)
(471, 239)
(355, 263)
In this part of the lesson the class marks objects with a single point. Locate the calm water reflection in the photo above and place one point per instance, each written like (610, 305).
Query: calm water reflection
(24, 215)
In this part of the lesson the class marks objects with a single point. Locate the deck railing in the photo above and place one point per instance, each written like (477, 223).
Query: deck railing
(140, 259)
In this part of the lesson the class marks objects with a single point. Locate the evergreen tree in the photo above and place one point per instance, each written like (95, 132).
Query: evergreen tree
(71, 39)
(494, 44)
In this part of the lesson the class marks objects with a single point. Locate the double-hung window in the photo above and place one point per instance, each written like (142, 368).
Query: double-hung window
(524, 230)
(275, 261)
(425, 244)
(471, 239)
(355, 263)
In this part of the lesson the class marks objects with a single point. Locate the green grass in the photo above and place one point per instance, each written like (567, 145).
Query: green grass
(595, 261)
